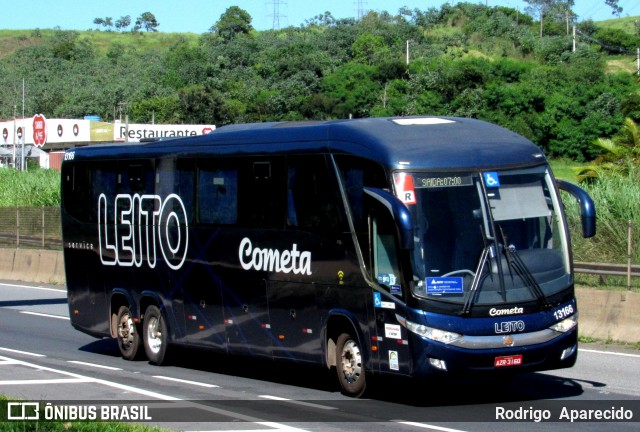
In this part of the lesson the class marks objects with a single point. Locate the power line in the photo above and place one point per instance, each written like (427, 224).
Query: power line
(360, 11)
(276, 15)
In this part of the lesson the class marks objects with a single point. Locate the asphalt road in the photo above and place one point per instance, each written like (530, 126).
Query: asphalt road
(42, 358)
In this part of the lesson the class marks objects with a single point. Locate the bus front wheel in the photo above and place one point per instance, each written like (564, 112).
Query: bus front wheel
(128, 334)
(350, 366)
(155, 335)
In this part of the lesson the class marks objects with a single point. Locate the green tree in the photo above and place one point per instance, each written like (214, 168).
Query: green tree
(234, 21)
(352, 90)
(618, 154)
(148, 21)
(123, 22)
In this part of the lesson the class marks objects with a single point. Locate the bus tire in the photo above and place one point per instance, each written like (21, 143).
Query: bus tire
(128, 334)
(155, 335)
(350, 366)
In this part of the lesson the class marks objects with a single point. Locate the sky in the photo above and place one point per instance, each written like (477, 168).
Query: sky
(197, 16)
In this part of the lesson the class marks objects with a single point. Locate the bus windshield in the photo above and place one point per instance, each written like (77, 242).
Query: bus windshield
(486, 238)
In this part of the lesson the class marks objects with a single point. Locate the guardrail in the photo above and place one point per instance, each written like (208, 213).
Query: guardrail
(605, 269)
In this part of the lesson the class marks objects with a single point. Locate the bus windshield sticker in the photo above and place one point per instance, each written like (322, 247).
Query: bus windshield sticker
(491, 179)
(434, 181)
(395, 289)
(405, 188)
(377, 302)
(387, 279)
(444, 285)
(377, 299)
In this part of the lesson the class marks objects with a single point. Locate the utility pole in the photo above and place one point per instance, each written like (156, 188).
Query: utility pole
(15, 108)
(407, 53)
(360, 9)
(574, 38)
(24, 129)
(276, 13)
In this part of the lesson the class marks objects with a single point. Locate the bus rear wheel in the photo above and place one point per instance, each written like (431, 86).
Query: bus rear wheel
(128, 334)
(155, 335)
(350, 366)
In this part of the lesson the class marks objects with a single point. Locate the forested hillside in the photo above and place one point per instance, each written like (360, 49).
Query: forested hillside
(464, 60)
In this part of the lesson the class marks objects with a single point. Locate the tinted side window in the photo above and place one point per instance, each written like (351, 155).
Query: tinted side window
(356, 174)
(76, 191)
(175, 176)
(313, 199)
(261, 192)
(217, 194)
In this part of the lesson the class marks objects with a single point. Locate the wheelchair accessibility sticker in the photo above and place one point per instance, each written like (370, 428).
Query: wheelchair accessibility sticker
(491, 179)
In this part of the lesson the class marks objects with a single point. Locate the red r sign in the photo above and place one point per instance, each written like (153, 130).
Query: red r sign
(39, 130)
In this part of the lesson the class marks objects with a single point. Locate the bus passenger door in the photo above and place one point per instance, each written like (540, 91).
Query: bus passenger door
(261, 218)
(391, 337)
(315, 224)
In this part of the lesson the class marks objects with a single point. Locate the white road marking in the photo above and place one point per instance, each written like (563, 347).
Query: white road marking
(185, 381)
(80, 378)
(93, 365)
(22, 352)
(609, 352)
(45, 315)
(427, 426)
(60, 290)
(298, 402)
(47, 381)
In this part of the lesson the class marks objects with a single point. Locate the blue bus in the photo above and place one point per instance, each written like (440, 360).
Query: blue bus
(404, 246)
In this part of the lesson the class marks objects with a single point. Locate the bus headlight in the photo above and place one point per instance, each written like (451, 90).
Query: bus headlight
(434, 334)
(566, 324)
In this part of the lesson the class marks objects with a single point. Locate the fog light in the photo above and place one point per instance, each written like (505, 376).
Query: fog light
(568, 352)
(437, 363)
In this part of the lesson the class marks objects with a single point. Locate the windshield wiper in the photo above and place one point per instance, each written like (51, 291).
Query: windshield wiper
(474, 290)
(485, 257)
(514, 261)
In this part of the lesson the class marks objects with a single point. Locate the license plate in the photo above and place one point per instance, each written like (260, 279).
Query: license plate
(506, 361)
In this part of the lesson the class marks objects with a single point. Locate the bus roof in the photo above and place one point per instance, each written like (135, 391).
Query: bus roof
(395, 142)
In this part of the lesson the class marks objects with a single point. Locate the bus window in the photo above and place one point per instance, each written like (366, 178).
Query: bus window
(385, 252)
(311, 203)
(217, 195)
(104, 182)
(136, 178)
(77, 197)
(260, 192)
(176, 176)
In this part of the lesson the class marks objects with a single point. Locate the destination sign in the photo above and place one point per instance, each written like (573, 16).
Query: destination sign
(422, 182)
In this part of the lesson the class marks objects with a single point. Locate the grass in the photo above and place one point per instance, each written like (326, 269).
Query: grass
(142, 42)
(34, 188)
(13, 40)
(563, 169)
(590, 340)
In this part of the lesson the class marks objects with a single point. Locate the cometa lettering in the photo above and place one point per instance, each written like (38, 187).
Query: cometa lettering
(500, 312)
(273, 260)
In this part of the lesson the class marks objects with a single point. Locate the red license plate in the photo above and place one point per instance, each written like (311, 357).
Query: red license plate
(506, 361)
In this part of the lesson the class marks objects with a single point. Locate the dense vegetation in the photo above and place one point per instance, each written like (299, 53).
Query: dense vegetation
(34, 188)
(464, 60)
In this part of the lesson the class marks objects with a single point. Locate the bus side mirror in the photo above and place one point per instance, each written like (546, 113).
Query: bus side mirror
(587, 208)
(399, 212)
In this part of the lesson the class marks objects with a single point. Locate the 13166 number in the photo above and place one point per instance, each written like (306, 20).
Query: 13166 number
(564, 312)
